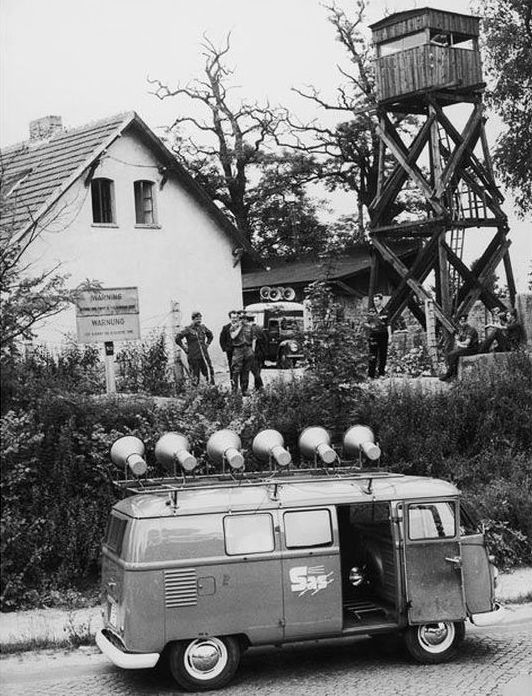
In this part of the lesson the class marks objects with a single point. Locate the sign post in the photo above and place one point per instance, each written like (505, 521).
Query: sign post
(107, 315)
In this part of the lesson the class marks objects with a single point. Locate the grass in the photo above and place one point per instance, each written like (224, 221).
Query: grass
(76, 634)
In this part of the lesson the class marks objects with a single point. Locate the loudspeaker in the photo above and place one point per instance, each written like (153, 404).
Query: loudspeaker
(316, 441)
(129, 450)
(289, 294)
(270, 443)
(224, 445)
(360, 438)
(265, 292)
(276, 294)
(172, 447)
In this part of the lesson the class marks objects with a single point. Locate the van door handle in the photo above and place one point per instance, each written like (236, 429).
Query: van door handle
(111, 584)
(455, 560)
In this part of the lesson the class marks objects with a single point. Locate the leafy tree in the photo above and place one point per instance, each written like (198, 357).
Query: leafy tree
(233, 134)
(25, 299)
(508, 52)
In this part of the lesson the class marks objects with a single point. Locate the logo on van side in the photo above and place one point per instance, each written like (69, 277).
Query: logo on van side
(309, 579)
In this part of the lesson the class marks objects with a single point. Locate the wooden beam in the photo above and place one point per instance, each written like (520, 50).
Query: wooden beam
(490, 267)
(489, 299)
(468, 140)
(509, 277)
(410, 226)
(416, 287)
(401, 155)
(476, 165)
(398, 176)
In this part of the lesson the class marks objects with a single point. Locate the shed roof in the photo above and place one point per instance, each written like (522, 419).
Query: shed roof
(407, 14)
(309, 270)
(36, 174)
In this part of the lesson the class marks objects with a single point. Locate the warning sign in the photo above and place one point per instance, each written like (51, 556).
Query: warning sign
(109, 314)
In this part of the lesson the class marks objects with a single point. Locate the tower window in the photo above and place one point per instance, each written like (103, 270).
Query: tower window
(102, 191)
(145, 203)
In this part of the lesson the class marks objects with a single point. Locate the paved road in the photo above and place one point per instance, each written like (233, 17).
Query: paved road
(492, 662)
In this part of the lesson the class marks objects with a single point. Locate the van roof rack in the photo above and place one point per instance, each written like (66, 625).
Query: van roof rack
(253, 478)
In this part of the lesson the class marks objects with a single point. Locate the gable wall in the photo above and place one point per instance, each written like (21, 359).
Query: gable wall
(188, 258)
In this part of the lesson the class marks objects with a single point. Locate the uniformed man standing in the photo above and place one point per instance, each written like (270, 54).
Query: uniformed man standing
(242, 336)
(379, 333)
(198, 339)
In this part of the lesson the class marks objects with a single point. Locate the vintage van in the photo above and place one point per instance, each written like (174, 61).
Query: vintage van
(196, 571)
(283, 324)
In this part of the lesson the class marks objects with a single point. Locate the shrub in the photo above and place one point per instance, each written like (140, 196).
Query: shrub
(57, 477)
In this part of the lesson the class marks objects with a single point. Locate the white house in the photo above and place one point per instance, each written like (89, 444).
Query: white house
(110, 203)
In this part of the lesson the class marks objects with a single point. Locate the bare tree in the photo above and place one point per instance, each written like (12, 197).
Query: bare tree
(238, 131)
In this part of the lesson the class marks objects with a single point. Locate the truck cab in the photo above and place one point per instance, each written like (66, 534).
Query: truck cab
(283, 325)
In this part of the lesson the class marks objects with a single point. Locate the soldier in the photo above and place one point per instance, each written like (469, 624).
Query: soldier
(243, 353)
(226, 344)
(198, 339)
(379, 333)
(466, 343)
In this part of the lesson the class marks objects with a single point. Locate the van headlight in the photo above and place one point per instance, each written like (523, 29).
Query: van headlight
(293, 346)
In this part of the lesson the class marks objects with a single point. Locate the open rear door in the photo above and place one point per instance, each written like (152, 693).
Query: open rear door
(433, 562)
(476, 567)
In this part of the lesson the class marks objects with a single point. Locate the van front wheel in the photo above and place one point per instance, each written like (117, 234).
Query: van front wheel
(204, 663)
(434, 642)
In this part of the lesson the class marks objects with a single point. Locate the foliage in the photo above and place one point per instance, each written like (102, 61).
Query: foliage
(38, 371)
(508, 53)
(412, 363)
(335, 352)
(57, 478)
(144, 367)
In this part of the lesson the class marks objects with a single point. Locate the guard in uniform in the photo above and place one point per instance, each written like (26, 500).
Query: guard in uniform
(198, 339)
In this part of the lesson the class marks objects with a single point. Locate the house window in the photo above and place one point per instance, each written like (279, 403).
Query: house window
(144, 203)
(102, 201)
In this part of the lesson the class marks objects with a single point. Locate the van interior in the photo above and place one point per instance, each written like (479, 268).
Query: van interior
(368, 565)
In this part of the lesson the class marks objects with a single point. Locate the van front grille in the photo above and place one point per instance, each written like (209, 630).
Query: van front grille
(180, 588)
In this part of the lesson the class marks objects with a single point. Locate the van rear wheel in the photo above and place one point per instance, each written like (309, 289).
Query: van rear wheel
(204, 663)
(434, 642)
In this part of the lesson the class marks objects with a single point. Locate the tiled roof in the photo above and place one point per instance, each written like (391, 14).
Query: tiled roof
(35, 171)
(34, 175)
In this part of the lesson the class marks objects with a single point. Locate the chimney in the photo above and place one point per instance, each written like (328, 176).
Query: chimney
(43, 128)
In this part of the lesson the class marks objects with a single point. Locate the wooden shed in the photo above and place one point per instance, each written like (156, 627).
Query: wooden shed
(426, 49)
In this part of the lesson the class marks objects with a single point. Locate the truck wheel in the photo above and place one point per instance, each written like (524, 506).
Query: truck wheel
(204, 663)
(434, 642)
(283, 361)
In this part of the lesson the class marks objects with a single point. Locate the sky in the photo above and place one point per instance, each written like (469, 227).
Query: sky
(88, 60)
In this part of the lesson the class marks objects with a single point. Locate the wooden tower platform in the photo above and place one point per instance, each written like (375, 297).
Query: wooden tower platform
(427, 63)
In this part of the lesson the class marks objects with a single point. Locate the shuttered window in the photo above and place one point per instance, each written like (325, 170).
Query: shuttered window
(144, 203)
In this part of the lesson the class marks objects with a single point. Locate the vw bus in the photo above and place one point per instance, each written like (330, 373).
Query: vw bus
(283, 326)
(196, 569)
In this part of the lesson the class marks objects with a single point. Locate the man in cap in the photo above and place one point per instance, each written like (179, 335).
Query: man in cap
(243, 353)
(198, 339)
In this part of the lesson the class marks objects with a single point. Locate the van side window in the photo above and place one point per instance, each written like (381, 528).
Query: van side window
(114, 536)
(469, 523)
(248, 534)
(431, 521)
(307, 528)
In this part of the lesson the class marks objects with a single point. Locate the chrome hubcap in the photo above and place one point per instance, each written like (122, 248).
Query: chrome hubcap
(436, 637)
(205, 659)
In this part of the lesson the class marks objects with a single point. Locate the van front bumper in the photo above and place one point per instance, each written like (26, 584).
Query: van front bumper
(125, 660)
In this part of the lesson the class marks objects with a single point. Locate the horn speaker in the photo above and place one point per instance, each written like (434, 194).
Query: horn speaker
(174, 447)
(129, 450)
(270, 443)
(316, 441)
(360, 438)
(289, 294)
(224, 445)
(276, 294)
(265, 292)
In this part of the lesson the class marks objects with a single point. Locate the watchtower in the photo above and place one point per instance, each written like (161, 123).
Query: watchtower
(428, 75)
